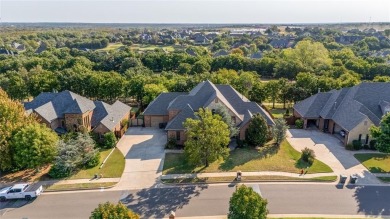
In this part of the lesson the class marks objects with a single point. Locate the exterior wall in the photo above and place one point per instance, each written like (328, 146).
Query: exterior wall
(214, 104)
(172, 114)
(101, 129)
(331, 126)
(296, 114)
(242, 131)
(148, 120)
(321, 124)
(73, 121)
(363, 129)
(55, 124)
(42, 120)
(172, 134)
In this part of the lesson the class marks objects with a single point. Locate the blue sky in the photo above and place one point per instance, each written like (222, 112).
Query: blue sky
(200, 11)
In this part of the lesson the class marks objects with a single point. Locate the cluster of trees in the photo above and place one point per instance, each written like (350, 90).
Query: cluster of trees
(24, 143)
(109, 210)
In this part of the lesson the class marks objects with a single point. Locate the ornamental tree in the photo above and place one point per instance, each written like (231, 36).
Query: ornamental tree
(257, 132)
(246, 203)
(207, 138)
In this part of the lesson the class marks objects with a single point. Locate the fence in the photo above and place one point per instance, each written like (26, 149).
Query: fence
(137, 122)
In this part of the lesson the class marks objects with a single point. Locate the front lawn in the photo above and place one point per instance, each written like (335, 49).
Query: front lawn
(78, 186)
(113, 168)
(267, 158)
(375, 163)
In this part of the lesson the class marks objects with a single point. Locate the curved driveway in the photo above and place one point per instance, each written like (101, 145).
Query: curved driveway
(143, 149)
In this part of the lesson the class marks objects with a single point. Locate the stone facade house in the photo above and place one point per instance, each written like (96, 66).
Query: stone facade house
(172, 109)
(67, 111)
(348, 112)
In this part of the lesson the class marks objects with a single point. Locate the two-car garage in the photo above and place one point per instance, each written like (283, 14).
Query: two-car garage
(155, 120)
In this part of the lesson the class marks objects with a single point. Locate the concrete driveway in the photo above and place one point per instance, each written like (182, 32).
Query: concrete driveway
(143, 149)
(331, 151)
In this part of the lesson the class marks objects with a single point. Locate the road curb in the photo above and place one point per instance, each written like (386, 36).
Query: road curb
(85, 189)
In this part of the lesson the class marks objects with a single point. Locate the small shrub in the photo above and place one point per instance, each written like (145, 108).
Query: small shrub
(308, 155)
(366, 147)
(349, 147)
(372, 145)
(299, 123)
(57, 171)
(357, 145)
(93, 162)
(171, 143)
(109, 140)
(287, 112)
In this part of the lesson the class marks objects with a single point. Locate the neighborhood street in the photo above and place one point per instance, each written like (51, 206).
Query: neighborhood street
(202, 200)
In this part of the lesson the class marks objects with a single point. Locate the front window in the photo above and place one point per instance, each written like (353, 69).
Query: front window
(178, 135)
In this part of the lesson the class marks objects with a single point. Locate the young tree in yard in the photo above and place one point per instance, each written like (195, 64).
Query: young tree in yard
(246, 203)
(382, 134)
(279, 130)
(273, 90)
(207, 138)
(224, 113)
(109, 140)
(34, 145)
(109, 210)
(257, 132)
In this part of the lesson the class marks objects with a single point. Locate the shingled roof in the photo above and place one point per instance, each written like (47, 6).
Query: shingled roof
(348, 106)
(201, 96)
(51, 106)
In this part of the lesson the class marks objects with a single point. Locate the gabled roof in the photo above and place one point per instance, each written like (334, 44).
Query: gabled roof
(202, 96)
(349, 106)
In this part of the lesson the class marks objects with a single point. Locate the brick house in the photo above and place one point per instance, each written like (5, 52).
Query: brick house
(67, 111)
(174, 108)
(349, 111)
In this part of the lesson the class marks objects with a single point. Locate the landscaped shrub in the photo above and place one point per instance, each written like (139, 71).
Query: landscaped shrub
(171, 143)
(287, 112)
(349, 147)
(366, 146)
(109, 140)
(372, 145)
(299, 123)
(357, 145)
(308, 155)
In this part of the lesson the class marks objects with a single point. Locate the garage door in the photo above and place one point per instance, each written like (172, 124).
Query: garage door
(155, 121)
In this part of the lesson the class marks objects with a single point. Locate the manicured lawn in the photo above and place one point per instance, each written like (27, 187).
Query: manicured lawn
(375, 163)
(146, 47)
(79, 186)
(385, 179)
(279, 113)
(113, 167)
(267, 158)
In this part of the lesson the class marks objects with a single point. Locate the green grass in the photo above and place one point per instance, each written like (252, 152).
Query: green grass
(79, 186)
(385, 179)
(146, 47)
(279, 113)
(248, 178)
(375, 163)
(113, 168)
(267, 158)
(112, 46)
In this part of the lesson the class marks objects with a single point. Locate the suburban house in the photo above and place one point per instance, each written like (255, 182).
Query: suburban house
(67, 111)
(348, 112)
(172, 109)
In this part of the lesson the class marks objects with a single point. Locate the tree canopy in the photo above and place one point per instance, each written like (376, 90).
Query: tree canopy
(382, 134)
(257, 132)
(246, 203)
(112, 211)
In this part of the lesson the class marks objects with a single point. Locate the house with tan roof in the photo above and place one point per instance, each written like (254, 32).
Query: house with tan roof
(170, 110)
(348, 112)
(67, 111)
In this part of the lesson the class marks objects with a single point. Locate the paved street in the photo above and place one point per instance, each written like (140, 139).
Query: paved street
(208, 200)
(143, 149)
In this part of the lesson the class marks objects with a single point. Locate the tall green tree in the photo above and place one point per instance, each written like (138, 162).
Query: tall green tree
(279, 130)
(227, 118)
(382, 134)
(246, 203)
(207, 138)
(257, 132)
(273, 90)
(34, 145)
(111, 211)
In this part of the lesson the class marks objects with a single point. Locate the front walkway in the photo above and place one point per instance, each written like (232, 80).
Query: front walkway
(331, 151)
(143, 149)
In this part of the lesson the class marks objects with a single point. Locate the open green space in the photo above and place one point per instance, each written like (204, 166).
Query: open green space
(112, 46)
(268, 158)
(113, 168)
(78, 186)
(385, 179)
(148, 47)
(375, 163)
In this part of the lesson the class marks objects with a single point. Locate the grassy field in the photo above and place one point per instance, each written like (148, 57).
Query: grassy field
(248, 179)
(113, 167)
(385, 179)
(112, 46)
(375, 163)
(268, 158)
(146, 47)
(79, 186)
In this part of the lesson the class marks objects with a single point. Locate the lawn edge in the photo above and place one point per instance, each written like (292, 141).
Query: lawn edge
(67, 190)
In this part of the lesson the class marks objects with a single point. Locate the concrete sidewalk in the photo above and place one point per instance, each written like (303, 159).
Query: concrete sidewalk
(262, 173)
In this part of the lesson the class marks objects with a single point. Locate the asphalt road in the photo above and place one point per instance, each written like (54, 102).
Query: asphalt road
(207, 200)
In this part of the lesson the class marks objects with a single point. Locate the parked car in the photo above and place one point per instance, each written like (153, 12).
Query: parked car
(342, 133)
(20, 191)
